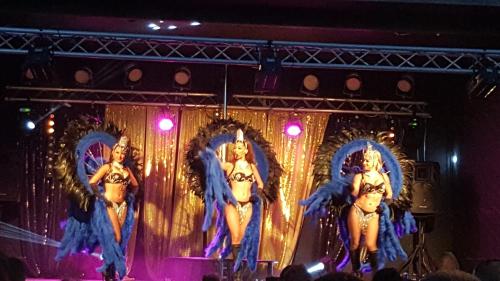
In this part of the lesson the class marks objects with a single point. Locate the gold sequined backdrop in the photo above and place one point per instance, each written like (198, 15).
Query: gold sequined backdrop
(173, 215)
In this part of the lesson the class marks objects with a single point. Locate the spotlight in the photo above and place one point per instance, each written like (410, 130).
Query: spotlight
(454, 159)
(195, 23)
(83, 76)
(293, 127)
(268, 75)
(165, 124)
(29, 124)
(37, 66)
(353, 85)
(310, 85)
(172, 27)
(483, 83)
(154, 26)
(133, 76)
(405, 87)
(317, 267)
(182, 79)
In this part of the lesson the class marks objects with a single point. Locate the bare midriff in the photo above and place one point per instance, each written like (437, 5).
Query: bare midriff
(369, 202)
(241, 190)
(115, 192)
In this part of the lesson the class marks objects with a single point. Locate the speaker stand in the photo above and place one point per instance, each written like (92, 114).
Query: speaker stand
(419, 262)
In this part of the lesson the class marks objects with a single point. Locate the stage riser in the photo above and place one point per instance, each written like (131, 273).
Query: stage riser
(188, 269)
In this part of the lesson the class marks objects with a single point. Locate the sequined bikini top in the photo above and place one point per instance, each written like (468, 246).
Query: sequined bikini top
(241, 177)
(116, 177)
(371, 188)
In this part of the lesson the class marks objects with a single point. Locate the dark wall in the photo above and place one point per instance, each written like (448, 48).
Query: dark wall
(477, 192)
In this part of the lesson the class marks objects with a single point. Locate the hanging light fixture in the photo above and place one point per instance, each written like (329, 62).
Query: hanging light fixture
(310, 85)
(353, 85)
(405, 87)
(182, 79)
(293, 126)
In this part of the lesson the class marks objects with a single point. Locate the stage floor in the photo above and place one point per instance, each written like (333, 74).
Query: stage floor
(42, 279)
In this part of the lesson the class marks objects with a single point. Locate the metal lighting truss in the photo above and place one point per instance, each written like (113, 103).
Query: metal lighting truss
(209, 100)
(246, 52)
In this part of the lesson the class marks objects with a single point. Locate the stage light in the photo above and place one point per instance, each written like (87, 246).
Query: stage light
(405, 87)
(483, 83)
(317, 267)
(133, 76)
(24, 109)
(50, 124)
(353, 85)
(29, 124)
(37, 66)
(172, 27)
(28, 75)
(268, 75)
(182, 79)
(413, 123)
(293, 127)
(154, 26)
(454, 159)
(392, 135)
(83, 76)
(310, 85)
(166, 124)
(195, 23)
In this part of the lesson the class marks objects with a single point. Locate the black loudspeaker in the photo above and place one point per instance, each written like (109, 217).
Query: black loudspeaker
(426, 180)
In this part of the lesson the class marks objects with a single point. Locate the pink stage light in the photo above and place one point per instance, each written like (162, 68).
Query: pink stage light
(165, 124)
(293, 128)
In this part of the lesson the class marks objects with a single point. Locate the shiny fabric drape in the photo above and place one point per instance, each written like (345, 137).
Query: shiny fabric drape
(160, 158)
(186, 236)
(43, 206)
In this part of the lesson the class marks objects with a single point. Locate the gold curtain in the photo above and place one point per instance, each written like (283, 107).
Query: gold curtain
(283, 220)
(256, 119)
(160, 158)
(131, 119)
(187, 238)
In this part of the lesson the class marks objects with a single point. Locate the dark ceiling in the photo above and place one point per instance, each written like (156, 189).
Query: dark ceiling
(468, 24)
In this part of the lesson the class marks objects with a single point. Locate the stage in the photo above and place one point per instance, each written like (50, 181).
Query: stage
(188, 269)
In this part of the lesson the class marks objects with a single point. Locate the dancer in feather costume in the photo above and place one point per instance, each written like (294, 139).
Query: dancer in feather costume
(365, 196)
(236, 189)
(101, 210)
